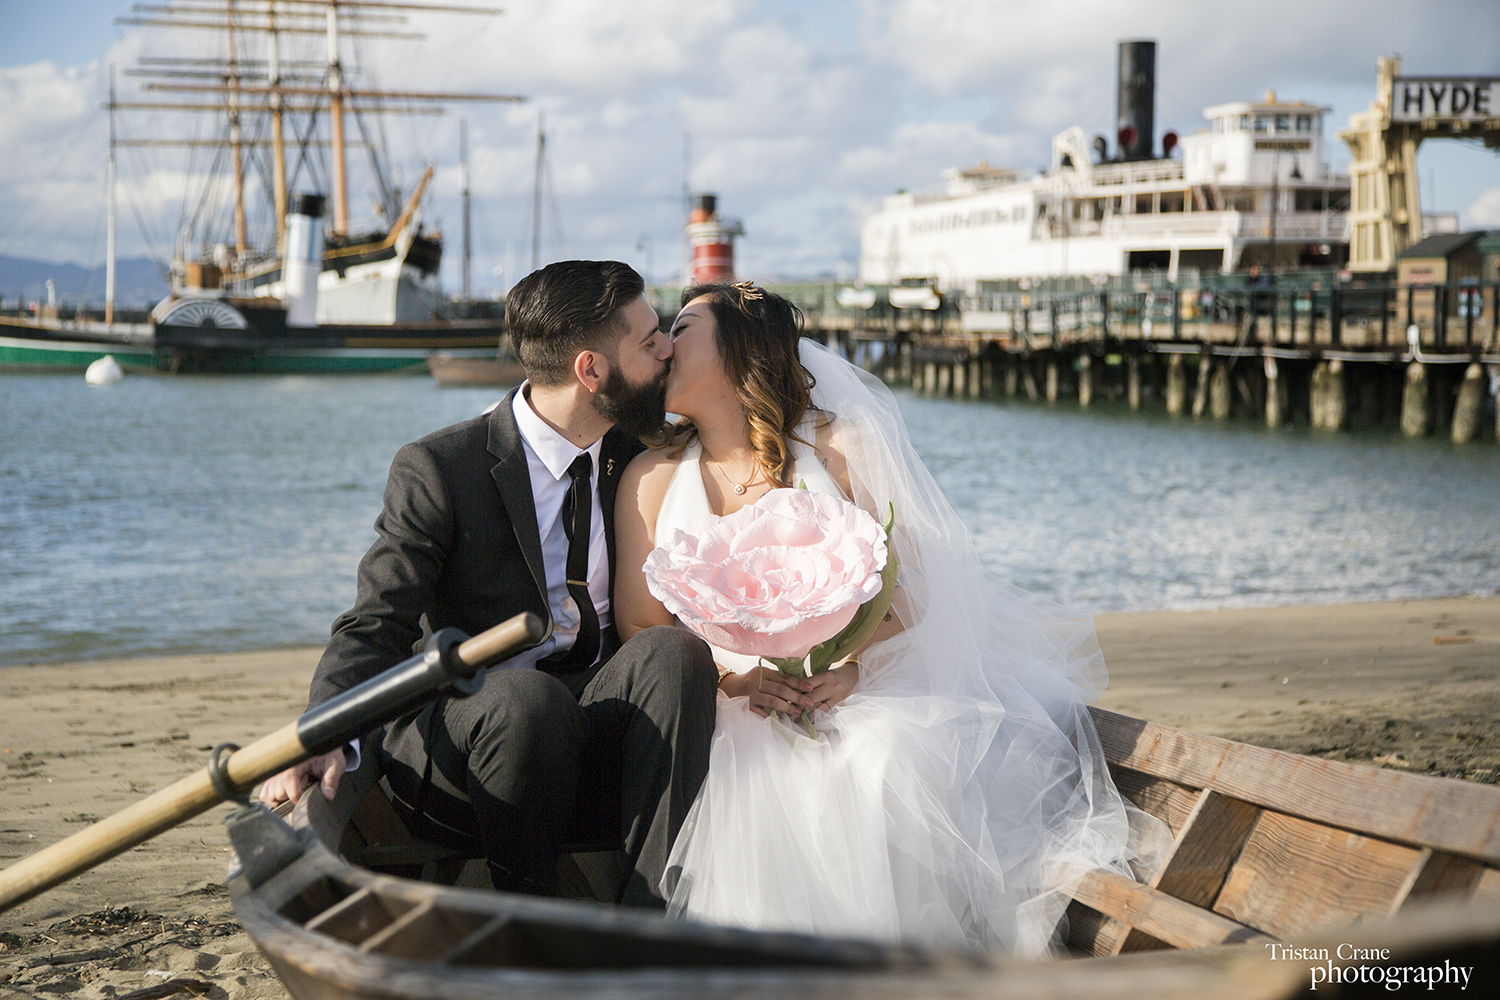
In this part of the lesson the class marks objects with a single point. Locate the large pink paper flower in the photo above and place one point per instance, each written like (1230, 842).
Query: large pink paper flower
(773, 579)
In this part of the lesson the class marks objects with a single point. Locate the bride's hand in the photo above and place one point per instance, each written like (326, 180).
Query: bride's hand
(769, 690)
(833, 686)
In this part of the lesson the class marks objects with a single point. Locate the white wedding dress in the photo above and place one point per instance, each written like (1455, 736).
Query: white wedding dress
(958, 793)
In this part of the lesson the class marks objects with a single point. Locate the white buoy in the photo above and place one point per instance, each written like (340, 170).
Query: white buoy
(104, 371)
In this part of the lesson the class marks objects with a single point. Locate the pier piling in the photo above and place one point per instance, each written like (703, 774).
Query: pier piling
(1414, 401)
(1176, 385)
(1470, 400)
(1336, 399)
(1275, 393)
(1200, 388)
(1218, 390)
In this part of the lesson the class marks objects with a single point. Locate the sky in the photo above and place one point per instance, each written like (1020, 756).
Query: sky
(799, 115)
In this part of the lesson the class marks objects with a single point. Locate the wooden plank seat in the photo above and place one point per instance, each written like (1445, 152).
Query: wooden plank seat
(1269, 844)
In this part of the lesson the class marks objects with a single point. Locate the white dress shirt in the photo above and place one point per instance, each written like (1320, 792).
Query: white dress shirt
(548, 455)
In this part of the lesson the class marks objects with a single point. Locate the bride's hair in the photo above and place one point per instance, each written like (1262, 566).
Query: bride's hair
(757, 336)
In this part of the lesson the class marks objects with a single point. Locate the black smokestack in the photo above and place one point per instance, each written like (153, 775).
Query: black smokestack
(1136, 116)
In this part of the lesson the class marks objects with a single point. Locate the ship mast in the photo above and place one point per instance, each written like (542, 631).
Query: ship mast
(236, 155)
(463, 155)
(336, 114)
(278, 148)
(109, 239)
(536, 191)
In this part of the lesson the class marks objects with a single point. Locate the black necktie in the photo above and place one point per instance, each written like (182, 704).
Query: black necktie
(577, 518)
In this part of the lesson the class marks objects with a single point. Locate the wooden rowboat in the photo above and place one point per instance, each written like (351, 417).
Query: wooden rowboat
(1352, 865)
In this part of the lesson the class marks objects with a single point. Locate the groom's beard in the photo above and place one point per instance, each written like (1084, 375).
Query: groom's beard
(638, 409)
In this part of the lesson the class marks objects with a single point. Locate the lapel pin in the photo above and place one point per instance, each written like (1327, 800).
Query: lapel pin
(609, 467)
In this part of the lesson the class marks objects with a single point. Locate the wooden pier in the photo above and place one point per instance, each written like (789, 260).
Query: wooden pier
(1421, 359)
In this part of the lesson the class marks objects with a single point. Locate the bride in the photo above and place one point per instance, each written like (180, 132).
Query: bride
(956, 789)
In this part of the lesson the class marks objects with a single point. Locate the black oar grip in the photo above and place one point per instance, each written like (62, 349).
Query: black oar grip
(452, 661)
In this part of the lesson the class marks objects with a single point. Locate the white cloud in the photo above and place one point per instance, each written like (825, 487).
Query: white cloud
(802, 112)
(1484, 212)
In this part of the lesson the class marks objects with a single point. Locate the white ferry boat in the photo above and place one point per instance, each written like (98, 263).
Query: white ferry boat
(1251, 189)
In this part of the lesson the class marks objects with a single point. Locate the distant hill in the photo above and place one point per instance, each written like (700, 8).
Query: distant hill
(138, 283)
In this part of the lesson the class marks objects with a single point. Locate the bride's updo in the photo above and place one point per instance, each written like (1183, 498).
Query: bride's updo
(758, 333)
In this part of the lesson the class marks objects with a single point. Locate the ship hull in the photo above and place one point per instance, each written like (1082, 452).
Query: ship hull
(224, 337)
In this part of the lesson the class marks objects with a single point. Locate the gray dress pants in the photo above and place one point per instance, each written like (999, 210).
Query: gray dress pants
(521, 769)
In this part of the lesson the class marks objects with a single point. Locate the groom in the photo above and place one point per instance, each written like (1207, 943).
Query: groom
(579, 739)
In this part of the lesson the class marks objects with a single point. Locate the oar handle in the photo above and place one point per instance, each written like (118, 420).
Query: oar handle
(450, 661)
(359, 710)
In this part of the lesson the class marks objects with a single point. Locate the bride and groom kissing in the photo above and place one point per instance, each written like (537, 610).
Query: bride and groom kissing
(951, 781)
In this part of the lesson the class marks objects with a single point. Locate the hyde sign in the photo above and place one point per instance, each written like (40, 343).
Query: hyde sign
(1447, 98)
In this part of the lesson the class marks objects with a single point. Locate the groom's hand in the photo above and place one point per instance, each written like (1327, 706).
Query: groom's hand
(325, 770)
(769, 690)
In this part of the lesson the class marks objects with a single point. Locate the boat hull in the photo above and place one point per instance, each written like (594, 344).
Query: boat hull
(263, 344)
(332, 927)
(24, 355)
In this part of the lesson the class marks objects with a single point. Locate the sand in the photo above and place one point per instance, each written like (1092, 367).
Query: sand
(1413, 685)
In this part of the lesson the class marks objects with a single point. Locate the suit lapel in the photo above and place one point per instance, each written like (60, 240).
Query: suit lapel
(617, 451)
(512, 479)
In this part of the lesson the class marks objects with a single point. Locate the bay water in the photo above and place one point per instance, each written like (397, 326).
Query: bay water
(219, 514)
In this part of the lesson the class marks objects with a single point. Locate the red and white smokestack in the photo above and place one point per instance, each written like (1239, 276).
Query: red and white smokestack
(712, 239)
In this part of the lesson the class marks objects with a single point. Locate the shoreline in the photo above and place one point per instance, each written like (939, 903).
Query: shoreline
(1168, 615)
(1407, 684)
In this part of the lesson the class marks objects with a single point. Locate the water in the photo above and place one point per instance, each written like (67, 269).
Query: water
(206, 514)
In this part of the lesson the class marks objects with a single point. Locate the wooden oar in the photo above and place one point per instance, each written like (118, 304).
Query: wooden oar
(451, 661)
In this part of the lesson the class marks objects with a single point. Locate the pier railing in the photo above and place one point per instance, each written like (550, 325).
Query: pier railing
(1457, 317)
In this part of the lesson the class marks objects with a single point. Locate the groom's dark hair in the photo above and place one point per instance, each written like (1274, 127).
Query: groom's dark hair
(567, 307)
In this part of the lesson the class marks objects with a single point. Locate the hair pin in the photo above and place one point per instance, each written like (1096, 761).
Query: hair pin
(748, 291)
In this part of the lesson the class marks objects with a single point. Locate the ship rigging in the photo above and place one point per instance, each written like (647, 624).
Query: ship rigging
(292, 100)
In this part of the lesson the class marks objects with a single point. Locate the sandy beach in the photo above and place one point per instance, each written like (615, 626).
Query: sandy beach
(1413, 685)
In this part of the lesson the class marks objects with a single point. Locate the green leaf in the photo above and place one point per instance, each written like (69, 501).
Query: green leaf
(870, 614)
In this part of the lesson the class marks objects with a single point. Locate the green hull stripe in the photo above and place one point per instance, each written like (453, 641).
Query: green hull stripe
(31, 356)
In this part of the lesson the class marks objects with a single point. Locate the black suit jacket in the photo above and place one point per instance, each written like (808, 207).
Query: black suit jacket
(458, 546)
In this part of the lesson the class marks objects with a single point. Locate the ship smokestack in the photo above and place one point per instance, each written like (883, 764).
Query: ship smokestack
(1136, 100)
(304, 260)
(712, 239)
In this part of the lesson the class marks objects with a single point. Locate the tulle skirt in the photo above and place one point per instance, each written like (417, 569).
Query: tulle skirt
(932, 819)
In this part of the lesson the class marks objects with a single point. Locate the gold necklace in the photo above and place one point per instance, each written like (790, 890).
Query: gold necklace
(739, 488)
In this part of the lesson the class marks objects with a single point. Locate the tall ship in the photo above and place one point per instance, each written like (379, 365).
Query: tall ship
(1251, 191)
(270, 269)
